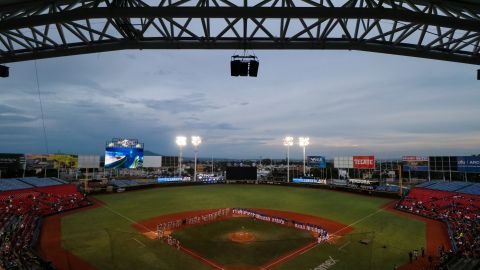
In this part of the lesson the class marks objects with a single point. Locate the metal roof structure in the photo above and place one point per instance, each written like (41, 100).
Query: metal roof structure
(434, 29)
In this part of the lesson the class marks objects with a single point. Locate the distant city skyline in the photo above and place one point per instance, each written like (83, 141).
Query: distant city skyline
(348, 103)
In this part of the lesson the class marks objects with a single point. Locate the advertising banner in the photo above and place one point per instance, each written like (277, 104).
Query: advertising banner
(64, 161)
(53, 161)
(12, 161)
(468, 164)
(38, 161)
(364, 162)
(414, 158)
(310, 181)
(409, 168)
(316, 162)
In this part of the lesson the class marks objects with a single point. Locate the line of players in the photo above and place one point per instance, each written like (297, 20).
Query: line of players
(322, 234)
(162, 228)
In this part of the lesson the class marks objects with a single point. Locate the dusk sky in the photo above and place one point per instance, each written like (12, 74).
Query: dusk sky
(346, 102)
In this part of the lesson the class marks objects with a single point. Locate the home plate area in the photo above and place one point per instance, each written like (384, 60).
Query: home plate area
(239, 238)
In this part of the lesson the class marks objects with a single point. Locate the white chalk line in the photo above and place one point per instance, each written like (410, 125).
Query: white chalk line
(138, 241)
(126, 218)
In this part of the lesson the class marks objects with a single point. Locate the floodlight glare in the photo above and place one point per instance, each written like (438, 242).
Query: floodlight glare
(303, 141)
(196, 140)
(181, 141)
(288, 141)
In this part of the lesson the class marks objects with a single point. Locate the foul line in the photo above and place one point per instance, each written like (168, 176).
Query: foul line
(127, 218)
(195, 255)
(360, 220)
(295, 253)
(344, 245)
(138, 241)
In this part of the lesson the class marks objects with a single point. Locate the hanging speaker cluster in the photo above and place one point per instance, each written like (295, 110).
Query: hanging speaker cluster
(4, 71)
(244, 66)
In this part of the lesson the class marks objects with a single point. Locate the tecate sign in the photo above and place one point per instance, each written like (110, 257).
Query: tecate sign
(364, 162)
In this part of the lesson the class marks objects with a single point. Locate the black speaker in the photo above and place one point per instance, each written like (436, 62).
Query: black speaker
(253, 71)
(4, 71)
(235, 67)
(478, 74)
(243, 68)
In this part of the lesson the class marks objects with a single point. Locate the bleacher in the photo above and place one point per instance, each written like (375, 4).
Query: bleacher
(460, 187)
(427, 184)
(473, 189)
(12, 184)
(40, 182)
(20, 220)
(449, 186)
(460, 211)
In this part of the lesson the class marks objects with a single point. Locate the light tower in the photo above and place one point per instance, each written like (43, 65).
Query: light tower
(196, 141)
(288, 141)
(303, 142)
(181, 142)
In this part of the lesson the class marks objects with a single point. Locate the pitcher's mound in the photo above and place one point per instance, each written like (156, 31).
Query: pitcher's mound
(242, 236)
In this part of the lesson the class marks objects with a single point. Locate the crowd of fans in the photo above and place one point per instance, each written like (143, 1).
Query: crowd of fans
(20, 219)
(461, 212)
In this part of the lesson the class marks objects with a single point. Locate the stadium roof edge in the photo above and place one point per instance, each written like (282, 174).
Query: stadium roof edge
(15, 2)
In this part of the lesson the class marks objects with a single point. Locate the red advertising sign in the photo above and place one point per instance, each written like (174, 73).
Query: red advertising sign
(364, 162)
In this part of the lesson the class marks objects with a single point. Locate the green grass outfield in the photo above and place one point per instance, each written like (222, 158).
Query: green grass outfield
(104, 236)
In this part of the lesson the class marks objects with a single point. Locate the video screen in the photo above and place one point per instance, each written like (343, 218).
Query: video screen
(123, 158)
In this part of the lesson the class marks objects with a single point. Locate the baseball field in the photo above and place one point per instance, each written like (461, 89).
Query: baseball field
(107, 236)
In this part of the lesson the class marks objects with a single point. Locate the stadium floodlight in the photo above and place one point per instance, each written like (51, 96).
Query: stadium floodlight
(288, 141)
(181, 141)
(4, 71)
(303, 142)
(196, 141)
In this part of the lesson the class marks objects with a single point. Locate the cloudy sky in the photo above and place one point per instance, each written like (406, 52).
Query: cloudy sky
(346, 102)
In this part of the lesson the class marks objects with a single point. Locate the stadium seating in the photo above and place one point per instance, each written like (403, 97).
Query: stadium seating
(40, 182)
(449, 186)
(473, 189)
(20, 217)
(460, 211)
(460, 187)
(426, 184)
(12, 184)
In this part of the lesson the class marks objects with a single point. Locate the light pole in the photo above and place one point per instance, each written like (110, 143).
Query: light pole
(303, 142)
(181, 142)
(196, 141)
(288, 141)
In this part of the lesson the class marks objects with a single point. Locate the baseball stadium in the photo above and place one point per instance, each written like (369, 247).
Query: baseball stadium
(388, 179)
